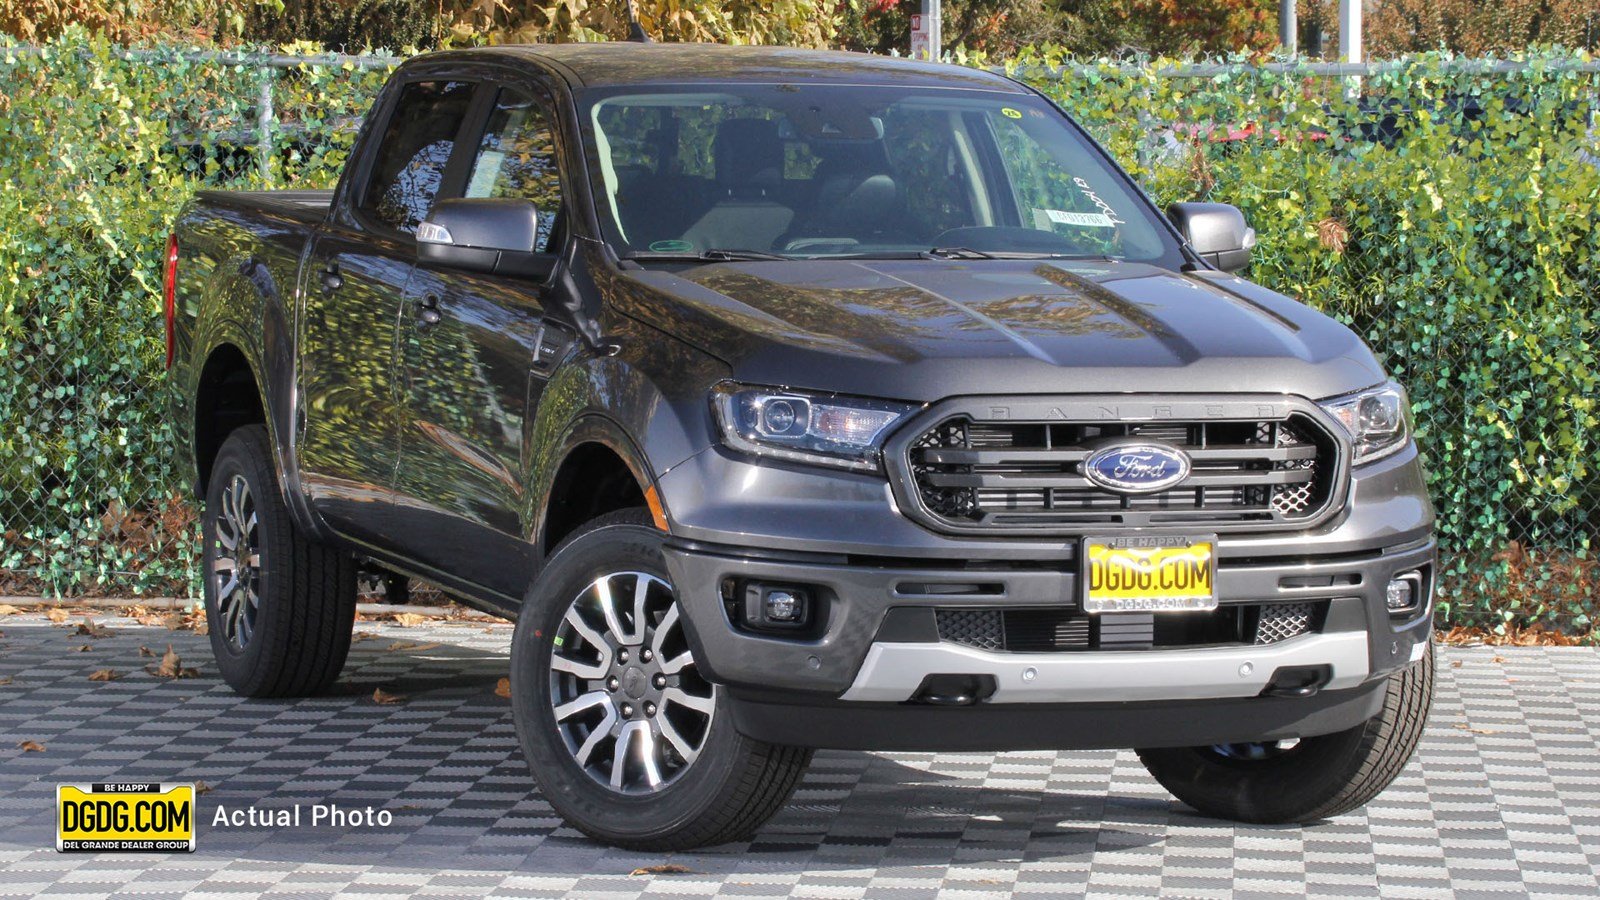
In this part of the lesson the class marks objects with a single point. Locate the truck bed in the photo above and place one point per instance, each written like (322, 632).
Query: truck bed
(304, 206)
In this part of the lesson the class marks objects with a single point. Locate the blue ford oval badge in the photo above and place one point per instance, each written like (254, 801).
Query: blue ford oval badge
(1136, 468)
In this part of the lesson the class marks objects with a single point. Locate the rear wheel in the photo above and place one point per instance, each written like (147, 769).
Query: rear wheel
(279, 607)
(628, 740)
(1308, 779)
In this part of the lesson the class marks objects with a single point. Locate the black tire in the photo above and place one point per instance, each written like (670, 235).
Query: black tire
(305, 593)
(1316, 778)
(725, 794)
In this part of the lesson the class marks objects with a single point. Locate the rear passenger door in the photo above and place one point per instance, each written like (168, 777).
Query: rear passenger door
(353, 285)
(475, 351)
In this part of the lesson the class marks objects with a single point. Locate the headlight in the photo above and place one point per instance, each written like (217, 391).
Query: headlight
(1377, 420)
(811, 428)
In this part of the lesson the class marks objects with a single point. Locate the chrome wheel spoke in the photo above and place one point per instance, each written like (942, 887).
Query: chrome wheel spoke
(688, 751)
(647, 757)
(585, 702)
(703, 705)
(585, 751)
(619, 756)
(579, 669)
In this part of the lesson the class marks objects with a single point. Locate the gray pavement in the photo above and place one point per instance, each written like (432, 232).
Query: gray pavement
(1503, 800)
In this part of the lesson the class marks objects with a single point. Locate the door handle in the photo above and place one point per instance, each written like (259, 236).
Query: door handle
(330, 277)
(428, 310)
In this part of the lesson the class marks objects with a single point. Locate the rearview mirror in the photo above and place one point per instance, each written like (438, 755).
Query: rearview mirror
(1215, 231)
(493, 236)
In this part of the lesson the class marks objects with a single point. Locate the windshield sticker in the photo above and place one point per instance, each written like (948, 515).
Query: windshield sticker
(1092, 197)
(671, 247)
(1010, 113)
(1080, 219)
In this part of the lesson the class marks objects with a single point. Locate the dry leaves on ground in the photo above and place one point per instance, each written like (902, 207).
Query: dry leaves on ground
(105, 675)
(83, 649)
(90, 628)
(172, 666)
(200, 787)
(1532, 636)
(502, 688)
(384, 698)
(57, 615)
(665, 869)
(1465, 727)
(406, 620)
(194, 620)
(409, 645)
(30, 746)
(360, 636)
(7, 609)
(146, 651)
(5, 679)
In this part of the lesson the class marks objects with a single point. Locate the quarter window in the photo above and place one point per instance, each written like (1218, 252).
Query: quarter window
(517, 159)
(414, 151)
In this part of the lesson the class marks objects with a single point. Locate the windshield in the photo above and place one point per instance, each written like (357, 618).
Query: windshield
(812, 171)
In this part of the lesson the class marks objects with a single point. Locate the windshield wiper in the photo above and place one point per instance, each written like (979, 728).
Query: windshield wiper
(716, 254)
(956, 253)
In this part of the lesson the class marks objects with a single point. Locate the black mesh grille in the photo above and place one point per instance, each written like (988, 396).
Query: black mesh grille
(1027, 474)
(1065, 628)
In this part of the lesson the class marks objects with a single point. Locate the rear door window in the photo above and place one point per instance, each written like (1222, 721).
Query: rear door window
(414, 151)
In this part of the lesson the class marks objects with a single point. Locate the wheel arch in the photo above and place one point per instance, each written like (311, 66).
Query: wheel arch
(599, 469)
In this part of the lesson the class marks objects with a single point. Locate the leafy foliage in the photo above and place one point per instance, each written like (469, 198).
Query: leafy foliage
(1445, 215)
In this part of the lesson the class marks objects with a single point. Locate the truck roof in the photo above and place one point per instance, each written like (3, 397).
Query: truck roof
(621, 63)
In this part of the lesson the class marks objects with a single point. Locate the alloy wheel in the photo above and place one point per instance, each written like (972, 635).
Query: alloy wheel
(236, 564)
(629, 701)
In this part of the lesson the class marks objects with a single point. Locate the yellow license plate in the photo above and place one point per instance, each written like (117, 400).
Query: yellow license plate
(140, 817)
(1149, 574)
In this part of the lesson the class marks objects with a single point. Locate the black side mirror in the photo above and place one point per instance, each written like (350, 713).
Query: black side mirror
(494, 236)
(1215, 231)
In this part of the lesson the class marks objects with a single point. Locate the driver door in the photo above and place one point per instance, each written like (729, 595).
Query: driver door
(475, 350)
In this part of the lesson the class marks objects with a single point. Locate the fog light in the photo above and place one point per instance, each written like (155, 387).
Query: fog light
(783, 606)
(776, 607)
(1401, 594)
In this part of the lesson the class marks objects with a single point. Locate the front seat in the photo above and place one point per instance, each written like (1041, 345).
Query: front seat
(747, 156)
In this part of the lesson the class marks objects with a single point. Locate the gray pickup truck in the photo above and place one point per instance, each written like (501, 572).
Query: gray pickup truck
(791, 400)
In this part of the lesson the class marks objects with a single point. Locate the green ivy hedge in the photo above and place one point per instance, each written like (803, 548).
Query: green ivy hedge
(1442, 210)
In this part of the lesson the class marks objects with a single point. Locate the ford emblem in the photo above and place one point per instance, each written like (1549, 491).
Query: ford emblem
(1136, 468)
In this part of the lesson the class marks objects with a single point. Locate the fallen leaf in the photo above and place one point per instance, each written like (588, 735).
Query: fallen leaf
(1497, 659)
(172, 667)
(7, 609)
(200, 787)
(503, 688)
(384, 698)
(1456, 664)
(105, 675)
(194, 620)
(56, 615)
(90, 628)
(31, 746)
(1464, 727)
(665, 869)
(5, 679)
(84, 649)
(408, 645)
(408, 619)
(146, 651)
(360, 636)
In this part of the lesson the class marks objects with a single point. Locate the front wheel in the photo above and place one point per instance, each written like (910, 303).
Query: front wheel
(1306, 780)
(629, 742)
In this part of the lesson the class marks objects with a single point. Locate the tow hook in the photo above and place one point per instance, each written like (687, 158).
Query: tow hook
(954, 690)
(1297, 681)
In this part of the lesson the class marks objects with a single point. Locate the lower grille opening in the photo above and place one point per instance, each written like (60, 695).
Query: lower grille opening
(1060, 629)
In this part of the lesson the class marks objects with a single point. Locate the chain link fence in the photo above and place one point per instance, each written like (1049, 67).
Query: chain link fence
(1440, 207)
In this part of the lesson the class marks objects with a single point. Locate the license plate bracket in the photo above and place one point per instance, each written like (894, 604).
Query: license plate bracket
(1148, 573)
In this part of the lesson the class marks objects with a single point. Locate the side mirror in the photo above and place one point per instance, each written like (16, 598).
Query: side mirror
(1215, 231)
(493, 236)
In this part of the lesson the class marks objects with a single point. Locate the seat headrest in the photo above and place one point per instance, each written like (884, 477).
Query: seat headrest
(748, 152)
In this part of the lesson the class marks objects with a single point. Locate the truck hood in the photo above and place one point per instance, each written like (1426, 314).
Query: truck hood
(924, 330)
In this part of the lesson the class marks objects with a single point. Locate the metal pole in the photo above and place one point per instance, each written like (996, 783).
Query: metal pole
(264, 127)
(1350, 30)
(932, 22)
(1288, 26)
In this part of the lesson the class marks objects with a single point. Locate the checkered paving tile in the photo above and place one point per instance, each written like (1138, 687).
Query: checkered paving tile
(1503, 800)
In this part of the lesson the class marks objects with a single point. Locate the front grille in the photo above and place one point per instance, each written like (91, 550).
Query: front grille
(998, 475)
(1282, 621)
(1066, 628)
